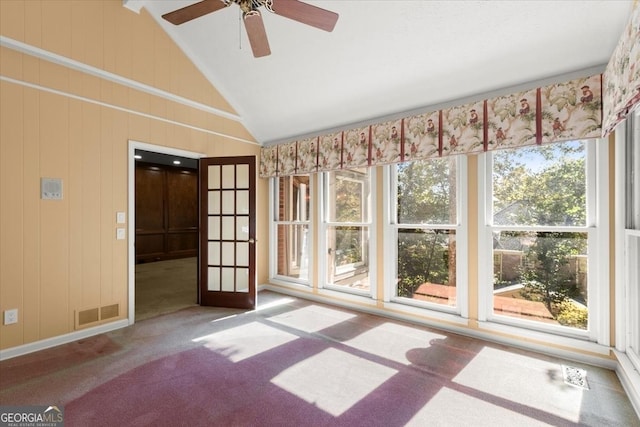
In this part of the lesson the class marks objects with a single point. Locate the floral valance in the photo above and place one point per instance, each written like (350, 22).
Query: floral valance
(622, 75)
(558, 112)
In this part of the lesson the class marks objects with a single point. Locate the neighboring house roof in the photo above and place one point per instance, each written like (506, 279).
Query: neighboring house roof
(517, 212)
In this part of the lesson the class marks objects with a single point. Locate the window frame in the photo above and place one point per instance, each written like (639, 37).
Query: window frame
(325, 224)
(392, 226)
(627, 238)
(596, 227)
(274, 192)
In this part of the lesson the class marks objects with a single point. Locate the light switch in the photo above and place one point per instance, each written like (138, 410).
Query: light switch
(120, 218)
(121, 233)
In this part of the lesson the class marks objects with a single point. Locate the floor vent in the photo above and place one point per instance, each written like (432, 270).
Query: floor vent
(109, 311)
(93, 316)
(88, 316)
(575, 376)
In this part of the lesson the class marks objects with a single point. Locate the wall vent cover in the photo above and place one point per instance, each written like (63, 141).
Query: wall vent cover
(93, 316)
(109, 311)
(88, 316)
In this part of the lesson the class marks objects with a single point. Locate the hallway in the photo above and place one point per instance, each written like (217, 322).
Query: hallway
(165, 286)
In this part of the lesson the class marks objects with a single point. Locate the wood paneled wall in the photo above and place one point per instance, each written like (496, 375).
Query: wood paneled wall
(61, 256)
(166, 212)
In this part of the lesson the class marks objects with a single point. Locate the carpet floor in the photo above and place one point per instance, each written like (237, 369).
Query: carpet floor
(294, 362)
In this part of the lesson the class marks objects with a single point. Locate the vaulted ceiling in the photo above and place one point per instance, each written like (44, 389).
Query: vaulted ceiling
(387, 58)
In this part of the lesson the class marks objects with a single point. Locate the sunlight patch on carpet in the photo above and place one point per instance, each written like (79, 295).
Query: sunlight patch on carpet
(432, 412)
(312, 318)
(333, 380)
(392, 341)
(245, 341)
(277, 303)
(509, 376)
(575, 376)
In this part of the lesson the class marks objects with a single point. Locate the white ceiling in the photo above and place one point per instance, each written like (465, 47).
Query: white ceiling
(385, 58)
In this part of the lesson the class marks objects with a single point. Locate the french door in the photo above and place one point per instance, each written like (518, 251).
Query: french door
(227, 229)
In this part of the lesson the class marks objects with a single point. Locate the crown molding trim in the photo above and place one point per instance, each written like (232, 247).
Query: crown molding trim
(126, 110)
(106, 75)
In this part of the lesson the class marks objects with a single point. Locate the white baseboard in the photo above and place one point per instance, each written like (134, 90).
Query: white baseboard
(630, 379)
(61, 339)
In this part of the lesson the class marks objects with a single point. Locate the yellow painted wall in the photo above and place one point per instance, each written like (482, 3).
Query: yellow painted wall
(57, 257)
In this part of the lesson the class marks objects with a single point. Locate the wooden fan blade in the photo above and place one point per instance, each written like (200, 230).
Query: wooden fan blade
(306, 13)
(187, 13)
(257, 34)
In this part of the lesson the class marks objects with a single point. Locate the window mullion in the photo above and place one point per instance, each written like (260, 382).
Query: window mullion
(485, 231)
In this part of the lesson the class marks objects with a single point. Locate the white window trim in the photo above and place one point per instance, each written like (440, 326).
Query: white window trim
(461, 228)
(274, 277)
(389, 233)
(621, 287)
(632, 276)
(601, 286)
(598, 231)
(627, 251)
(323, 281)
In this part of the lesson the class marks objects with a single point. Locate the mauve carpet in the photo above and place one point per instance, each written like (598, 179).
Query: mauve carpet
(298, 363)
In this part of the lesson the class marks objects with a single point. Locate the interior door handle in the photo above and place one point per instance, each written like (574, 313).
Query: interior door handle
(252, 240)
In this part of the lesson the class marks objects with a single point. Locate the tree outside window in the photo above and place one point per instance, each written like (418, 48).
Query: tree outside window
(540, 237)
(426, 214)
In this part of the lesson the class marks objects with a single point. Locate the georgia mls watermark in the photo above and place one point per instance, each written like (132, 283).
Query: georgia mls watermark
(31, 416)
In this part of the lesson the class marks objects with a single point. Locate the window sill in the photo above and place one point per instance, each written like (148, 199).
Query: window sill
(521, 337)
(425, 315)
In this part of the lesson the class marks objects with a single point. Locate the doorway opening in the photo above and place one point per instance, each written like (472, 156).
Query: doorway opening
(163, 230)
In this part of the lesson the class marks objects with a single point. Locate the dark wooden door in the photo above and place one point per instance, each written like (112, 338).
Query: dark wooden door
(227, 229)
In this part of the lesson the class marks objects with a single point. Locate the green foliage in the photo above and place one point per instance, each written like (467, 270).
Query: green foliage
(351, 189)
(552, 194)
(426, 195)
(423, 257)
(572, 315)
(348, 201)
(423, 195)
(544, 186)
(547, 276)
(348, 245)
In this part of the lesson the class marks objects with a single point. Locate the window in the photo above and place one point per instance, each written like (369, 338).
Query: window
(541, 231)
(632, 173)
(347, 229)
(291, 227)
(631, 182)
(426, 229)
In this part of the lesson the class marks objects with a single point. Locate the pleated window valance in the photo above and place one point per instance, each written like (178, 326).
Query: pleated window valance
(559, 112)
(554, 113)
(622, 75)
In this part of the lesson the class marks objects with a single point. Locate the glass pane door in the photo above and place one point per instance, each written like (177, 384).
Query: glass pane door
(228, 216)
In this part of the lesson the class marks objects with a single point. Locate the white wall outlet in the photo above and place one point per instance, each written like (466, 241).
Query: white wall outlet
(121, 233)
(11, 316)
(120, 218)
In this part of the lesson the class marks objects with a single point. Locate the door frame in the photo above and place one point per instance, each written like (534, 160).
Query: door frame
(131, 208)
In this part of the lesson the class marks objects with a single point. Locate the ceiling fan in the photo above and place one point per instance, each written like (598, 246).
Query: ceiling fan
(292, 9)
